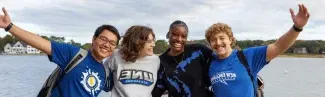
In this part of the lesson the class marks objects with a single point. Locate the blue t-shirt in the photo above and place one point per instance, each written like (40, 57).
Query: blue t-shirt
(85, 80)
(229, 77)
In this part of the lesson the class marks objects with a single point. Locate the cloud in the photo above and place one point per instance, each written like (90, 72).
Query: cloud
(249, 19)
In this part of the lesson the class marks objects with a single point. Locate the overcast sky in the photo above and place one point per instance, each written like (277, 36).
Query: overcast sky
(249, 19)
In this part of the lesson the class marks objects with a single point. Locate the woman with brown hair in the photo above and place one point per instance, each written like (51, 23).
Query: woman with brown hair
(134, 66)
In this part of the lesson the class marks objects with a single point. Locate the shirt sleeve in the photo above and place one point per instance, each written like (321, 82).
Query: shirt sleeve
(207, 55)
(160, 86)
(62, 53)
(256, 57)
(206, 52)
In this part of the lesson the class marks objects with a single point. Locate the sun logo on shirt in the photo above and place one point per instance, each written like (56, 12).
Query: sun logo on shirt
(91, 81)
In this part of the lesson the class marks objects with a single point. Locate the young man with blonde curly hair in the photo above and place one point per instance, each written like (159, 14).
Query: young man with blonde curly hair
(228, 75)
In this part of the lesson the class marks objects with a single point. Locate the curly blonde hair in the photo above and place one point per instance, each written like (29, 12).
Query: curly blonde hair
(220, 28)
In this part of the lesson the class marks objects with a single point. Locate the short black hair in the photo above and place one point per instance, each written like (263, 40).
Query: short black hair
(175, 24)
(111, 28)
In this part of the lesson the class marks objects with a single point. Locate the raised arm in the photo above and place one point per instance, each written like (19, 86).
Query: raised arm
(25, 36)
(286, 40)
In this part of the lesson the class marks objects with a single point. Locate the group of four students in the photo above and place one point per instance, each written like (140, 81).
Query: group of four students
(184, 70)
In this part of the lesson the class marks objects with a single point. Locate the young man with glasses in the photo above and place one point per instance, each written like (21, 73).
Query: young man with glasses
(87, 79)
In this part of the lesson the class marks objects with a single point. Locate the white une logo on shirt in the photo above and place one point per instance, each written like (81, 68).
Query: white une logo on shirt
(223, 77)
(132, 76)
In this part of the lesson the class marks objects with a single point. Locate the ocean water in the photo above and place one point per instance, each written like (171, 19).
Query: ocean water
(23, 76)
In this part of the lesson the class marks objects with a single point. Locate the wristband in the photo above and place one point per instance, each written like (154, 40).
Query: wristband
(9, 27)
(296, 28)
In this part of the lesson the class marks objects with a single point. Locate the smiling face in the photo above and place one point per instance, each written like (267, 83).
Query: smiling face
(138, 42)
(104, 44)
(177, 39)
(147, 49)
(221, 39)
(221, 44)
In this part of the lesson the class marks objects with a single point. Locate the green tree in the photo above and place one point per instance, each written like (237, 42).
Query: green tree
(74, 43)
(15, 39)
(202, 41)
(86, 46)
(258, 42)
(269, 42)
(2, 44)
(45, 37)
(57, 39)
(161, 46)
(8, 39)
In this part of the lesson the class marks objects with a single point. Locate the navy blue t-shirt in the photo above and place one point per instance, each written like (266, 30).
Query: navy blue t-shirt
(229, 77)
(85, 80)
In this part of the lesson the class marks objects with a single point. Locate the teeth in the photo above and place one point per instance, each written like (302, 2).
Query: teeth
(104, 50)
(177, 45)
(220, 48)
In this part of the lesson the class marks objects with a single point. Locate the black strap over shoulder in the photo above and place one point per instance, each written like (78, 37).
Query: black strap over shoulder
(56, 76)
(243, 61)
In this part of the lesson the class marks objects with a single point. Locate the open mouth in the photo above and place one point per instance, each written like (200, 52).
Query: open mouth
(219, 48)
(178, 45)
(104, 50)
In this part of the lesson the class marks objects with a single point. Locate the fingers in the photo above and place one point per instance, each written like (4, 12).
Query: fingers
(306, 13)
(292, 13)
(300, 8)
(303, 10)
(5, 11)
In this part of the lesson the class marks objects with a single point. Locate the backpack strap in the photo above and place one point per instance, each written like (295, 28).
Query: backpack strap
(53, 80)
(75, 60)
(108, 78)
(242, 59)
(73, 63)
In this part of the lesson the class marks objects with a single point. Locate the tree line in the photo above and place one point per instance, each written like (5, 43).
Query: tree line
(312, 46)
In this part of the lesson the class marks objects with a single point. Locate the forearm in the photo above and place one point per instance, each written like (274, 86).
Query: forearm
(286, 40)
(282, 44)
(31, 39)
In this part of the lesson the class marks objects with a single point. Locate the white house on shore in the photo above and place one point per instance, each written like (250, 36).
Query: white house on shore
(20, 48)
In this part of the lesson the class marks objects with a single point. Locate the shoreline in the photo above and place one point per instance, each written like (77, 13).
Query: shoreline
(302, 56)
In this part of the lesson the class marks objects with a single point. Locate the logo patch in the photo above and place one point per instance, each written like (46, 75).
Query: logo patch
(91, 81)
(131, 76)
(223, 77)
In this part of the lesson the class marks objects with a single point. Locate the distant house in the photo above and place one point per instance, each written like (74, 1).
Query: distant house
(32, 50)
(20, 48)
(8, 48)
(300, 50)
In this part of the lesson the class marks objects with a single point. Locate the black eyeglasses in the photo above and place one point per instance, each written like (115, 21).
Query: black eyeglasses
(104, 40)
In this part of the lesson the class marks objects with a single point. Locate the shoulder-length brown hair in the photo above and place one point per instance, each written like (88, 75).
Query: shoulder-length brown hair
(133, 41)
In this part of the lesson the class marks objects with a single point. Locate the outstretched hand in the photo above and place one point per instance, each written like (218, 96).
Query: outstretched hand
(4, 19)
(301, 19)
